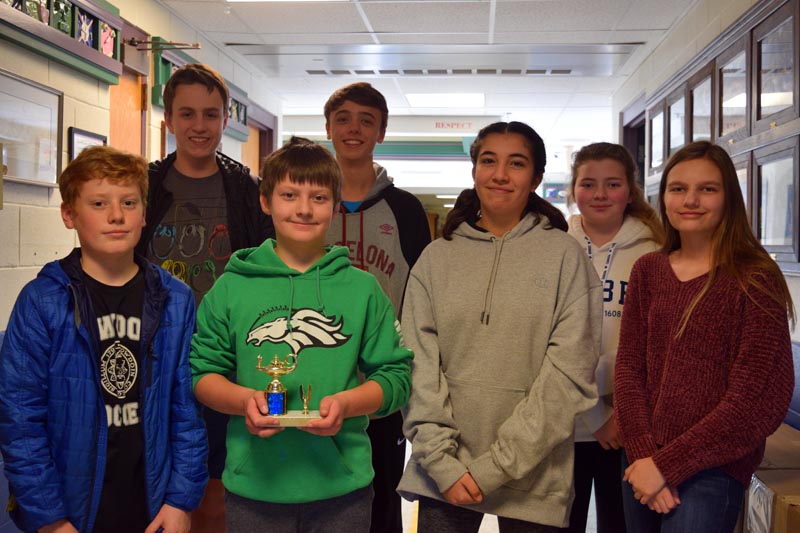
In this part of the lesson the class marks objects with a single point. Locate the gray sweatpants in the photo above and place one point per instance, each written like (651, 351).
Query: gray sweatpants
(350, 512)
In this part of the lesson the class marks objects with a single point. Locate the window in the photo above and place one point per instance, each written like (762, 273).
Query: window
(733, 95)
(776, 70)
(777, 167)
(656, 137)
(701, 110)
(677, 124)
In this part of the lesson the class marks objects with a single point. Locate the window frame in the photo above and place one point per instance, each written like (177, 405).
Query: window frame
(760, 32)
(776, 151)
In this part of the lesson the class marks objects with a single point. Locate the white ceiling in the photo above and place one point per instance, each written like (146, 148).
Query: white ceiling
(510, 50)
(554, 64)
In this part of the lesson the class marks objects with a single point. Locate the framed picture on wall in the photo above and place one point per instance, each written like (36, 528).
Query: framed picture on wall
(80, 139)
(30, 127)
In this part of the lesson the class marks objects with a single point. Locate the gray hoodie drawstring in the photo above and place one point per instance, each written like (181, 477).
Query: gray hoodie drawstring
(487, 298)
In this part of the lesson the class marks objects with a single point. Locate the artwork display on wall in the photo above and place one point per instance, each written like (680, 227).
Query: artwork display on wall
(16, 4)
(61, 18)
(30, 123)
(108, 39)
(38, 9)
(85, 27)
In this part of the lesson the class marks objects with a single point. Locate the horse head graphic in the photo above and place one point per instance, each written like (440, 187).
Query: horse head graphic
(309, 328)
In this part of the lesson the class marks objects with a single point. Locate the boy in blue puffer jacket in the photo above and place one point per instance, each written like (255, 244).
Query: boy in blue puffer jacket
(99, 429)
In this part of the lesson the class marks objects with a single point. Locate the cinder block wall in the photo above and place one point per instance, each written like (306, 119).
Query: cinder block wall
(31, 230)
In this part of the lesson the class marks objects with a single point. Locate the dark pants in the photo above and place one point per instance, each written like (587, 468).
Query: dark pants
(594, 465)
(710, 502)
(441, 517)
(388, 460)
(216, 428)
(349, 512)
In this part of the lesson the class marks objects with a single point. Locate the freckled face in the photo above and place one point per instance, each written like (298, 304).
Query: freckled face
(109, 218)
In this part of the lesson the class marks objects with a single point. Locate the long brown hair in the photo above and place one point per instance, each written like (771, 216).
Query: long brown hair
(468, 205)
(734, 248)
(638, 206)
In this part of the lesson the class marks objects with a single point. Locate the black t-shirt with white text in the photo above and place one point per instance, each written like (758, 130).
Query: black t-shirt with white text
(118, 310)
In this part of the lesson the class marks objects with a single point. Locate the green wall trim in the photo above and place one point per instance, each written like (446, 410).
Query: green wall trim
(447, 149)
(50, 51)
(107, 6)
(238, 135)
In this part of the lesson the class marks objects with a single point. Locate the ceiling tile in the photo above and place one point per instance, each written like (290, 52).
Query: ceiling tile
(428, 17)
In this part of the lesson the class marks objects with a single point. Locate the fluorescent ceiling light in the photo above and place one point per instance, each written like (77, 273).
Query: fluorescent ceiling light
(445, 99)
(446, 196)
(449, 206)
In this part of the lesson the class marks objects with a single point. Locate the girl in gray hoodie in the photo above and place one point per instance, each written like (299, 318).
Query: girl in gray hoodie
(503, 315)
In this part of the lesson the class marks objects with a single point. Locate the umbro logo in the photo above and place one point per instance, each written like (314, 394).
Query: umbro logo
(386, 229)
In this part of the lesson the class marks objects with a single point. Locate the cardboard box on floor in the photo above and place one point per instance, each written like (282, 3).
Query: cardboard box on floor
(783, 450)
(773, 500)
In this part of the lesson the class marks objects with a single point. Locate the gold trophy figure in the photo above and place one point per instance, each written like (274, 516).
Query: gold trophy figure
(276, 393)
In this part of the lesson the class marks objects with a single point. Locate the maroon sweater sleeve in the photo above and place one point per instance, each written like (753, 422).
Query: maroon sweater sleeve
(630, 372)
(760, 384)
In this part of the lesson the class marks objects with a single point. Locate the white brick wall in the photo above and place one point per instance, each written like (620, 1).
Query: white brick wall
(31, 230)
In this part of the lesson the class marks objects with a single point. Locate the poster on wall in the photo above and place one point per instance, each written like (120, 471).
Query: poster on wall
(30, 123)
(80, 139)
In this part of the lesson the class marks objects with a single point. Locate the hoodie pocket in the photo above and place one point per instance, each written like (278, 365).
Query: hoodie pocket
(479, 409)
(331, 448)
(243, 459)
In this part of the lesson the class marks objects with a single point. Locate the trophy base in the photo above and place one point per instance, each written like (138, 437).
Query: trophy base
(296, 418)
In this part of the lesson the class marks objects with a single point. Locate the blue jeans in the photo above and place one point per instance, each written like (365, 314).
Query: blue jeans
(710, 503)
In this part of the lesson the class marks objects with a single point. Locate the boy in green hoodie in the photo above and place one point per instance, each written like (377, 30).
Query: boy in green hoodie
(294, 295)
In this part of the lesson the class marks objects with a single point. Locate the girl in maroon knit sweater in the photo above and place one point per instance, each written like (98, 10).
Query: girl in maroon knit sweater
(704, 368)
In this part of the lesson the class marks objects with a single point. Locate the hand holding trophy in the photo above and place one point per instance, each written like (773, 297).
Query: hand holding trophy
(276, 393)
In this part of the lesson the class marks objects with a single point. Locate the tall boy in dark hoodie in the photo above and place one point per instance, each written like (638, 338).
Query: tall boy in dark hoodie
(385, 229)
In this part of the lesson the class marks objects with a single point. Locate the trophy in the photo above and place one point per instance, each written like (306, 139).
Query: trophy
(276, 393)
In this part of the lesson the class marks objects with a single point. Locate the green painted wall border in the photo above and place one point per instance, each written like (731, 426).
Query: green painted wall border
(50, 51)
(429, 149)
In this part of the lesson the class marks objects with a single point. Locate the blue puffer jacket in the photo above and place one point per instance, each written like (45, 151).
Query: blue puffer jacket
(53, 428)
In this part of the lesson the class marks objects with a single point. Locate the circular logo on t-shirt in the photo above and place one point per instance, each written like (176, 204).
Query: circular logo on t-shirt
(118, 370)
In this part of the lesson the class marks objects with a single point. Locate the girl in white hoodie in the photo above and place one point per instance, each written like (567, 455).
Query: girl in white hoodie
(616, 226)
